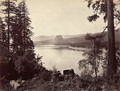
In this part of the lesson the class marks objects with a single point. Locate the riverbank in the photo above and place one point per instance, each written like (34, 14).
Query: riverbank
(78, 48)
(63, 47)
(83, 83)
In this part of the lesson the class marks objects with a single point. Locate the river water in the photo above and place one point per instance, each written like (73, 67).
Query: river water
(61, 57)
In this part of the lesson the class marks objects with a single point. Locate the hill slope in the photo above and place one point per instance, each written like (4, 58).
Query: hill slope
(71, 39)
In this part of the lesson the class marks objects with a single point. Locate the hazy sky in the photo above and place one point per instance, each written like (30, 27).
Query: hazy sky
(54, 17)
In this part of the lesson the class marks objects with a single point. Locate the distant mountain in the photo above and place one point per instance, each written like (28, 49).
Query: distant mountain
(59, 40)
(43, 38)
(71, 36)
(75, 40)
(117, 35)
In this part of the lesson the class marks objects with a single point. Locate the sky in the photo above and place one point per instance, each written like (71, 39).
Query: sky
(62, 17)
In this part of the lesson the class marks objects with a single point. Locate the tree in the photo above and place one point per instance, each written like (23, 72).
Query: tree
(110, 12)
(3, 32)
(93, 55)
(16, 33)
(9, 9)
(3, 38)
(17, 23)
(112, 62)
(21, 30)
(25, 26)
(22, 44)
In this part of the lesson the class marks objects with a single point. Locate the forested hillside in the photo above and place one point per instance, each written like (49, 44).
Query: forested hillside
(74, 40)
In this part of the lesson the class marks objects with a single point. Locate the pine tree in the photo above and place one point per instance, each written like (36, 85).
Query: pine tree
(112, 62)
(18, 27)
(108, 9)
(18, 39)
(3, 36)
(25, 28)
(9, 10)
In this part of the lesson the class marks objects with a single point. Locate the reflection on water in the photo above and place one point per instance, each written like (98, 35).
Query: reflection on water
(60, 56)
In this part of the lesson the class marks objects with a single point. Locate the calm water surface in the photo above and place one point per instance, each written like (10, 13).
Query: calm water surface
(61, 57)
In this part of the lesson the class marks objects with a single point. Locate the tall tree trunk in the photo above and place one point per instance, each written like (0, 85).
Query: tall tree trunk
(24, 24)
(8, 23)
(112, 64)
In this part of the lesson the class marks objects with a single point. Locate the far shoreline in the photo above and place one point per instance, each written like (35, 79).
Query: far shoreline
(63, 47)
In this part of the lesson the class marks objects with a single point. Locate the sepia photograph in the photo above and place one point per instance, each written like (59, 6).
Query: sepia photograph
(59, 45)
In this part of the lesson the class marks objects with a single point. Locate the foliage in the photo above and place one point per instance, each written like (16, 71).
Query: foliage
(2, 31)
(27, 65)
(19, 26)
(93, 55)
(118, 59)
(20, 61)
(100, 8)
(111, 14)
(78, 83)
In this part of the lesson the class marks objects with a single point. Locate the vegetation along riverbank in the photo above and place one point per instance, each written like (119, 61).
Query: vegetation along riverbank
(22, 70)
